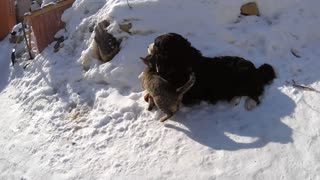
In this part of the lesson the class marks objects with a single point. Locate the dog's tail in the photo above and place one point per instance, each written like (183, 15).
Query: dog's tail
(267, 73)
(183, 89)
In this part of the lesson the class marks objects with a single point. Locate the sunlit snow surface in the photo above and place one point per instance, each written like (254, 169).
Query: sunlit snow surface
(60, 120)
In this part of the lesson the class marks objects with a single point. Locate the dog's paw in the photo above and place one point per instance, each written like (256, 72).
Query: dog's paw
(250, 104)
(235, 100)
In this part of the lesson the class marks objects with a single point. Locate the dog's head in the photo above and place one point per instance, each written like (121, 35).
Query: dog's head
(175, 73)
(172, 57)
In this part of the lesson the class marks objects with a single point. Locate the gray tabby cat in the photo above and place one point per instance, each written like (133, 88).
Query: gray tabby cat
(161, 93)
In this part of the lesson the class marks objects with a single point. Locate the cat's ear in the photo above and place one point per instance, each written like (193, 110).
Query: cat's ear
(145, 61)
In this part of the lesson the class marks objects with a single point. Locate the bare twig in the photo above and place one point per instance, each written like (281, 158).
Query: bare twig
(129, 4)
(295, 53)
(294, 84)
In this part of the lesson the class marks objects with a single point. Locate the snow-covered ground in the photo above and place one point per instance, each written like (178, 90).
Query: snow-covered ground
(60, 120)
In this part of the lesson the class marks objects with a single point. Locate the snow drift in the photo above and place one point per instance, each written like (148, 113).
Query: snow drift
(60, 120)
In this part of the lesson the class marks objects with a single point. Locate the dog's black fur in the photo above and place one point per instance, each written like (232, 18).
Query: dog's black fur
(218, 78)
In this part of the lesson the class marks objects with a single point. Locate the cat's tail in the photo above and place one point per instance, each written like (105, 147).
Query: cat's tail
(183, 89)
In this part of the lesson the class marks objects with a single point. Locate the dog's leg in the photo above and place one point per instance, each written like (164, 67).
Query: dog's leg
(250, 103)
(166, 117)
(151, 103)
(235, 100)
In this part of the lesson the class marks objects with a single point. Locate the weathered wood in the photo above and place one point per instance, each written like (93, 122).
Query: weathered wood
(49, 7)
(7, 17)
(46, 22)
(25, 38)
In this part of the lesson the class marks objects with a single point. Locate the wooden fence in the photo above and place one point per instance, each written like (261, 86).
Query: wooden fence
(46, 22)
(7, 17)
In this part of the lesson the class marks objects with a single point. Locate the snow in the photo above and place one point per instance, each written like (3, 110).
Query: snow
(62, 120)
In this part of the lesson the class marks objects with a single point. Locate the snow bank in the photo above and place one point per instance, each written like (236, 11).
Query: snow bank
(91, 123)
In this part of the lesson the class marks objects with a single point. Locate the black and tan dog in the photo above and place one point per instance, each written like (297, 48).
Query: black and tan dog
(218, 78)
(161, 93)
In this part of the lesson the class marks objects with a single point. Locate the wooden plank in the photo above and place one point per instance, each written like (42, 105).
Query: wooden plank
(7, 17)
(29, 34)
(47, 22)
(49, 8)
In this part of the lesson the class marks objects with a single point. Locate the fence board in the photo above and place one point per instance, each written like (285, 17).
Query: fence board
(7, 17)
(46, 22)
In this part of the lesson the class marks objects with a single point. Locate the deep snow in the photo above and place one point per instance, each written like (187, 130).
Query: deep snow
(61, 120)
